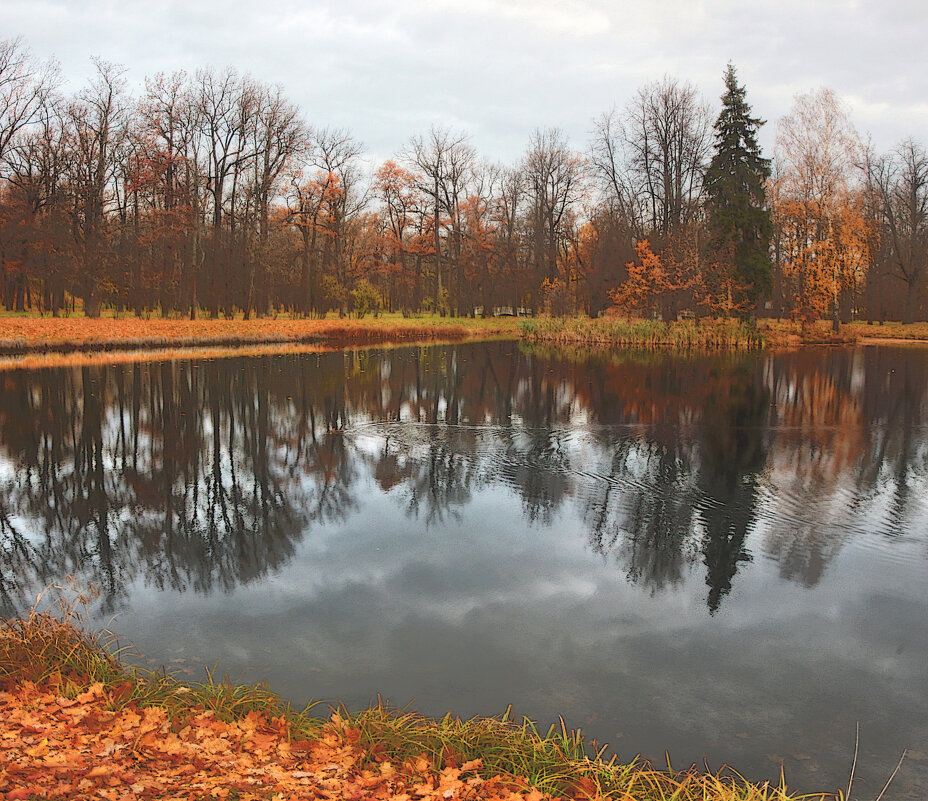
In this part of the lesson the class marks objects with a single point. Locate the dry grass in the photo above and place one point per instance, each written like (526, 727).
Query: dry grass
(711, 334)
(908, 332)
(25, 334)
(33, 360)
(621, 332)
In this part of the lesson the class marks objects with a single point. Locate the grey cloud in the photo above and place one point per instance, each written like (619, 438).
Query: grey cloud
(498, 70)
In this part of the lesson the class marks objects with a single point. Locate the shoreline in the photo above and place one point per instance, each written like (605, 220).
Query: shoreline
(76, 721)
(21, 334)
(35, 342)
(28, 342)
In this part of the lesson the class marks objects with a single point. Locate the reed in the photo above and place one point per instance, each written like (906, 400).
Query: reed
(621, 332)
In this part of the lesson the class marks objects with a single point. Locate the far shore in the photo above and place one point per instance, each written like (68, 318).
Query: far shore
(30, 334)
(31, 341)
(34, 341)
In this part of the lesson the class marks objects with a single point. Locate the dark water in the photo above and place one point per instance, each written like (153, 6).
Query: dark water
(725, 558)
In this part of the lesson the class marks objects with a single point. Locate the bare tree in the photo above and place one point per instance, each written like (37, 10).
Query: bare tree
(666, 137)
(25, 88)
(38, 161)
(98, 117)
(610, 166)
(444, 159)
(280, 135)
(166, 128)
(554, 177)
(220, 100)
(899, 182)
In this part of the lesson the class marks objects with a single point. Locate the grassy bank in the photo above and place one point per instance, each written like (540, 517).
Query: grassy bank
(29, 340)
(909, 332)
(25, 334)
(617, 331)
(710, 334)
(76, 722)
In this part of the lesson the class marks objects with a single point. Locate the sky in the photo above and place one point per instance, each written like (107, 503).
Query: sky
(498, 69)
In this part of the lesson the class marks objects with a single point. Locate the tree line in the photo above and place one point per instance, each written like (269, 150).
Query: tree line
(211, 194)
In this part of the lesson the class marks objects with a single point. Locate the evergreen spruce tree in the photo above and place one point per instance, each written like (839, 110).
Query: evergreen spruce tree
(740, 228)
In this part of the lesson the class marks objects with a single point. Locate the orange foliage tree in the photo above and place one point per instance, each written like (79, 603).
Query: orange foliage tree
(823, 252)
(822, 233)
(312, 205)
(647, 286)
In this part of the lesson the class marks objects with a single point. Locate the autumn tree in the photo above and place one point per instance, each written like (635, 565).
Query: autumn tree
(647, 286)
(335, 152)
(311, 203)
(820, 246)
(323, 197)
(395, 189)
(739, 223)
(479, 266)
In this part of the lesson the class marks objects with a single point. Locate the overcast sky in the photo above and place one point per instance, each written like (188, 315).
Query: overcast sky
(500, 68)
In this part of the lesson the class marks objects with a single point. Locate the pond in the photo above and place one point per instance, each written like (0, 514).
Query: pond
(720, 557)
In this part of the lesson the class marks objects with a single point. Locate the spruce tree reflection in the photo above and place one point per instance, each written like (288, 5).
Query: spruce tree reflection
(733, 456)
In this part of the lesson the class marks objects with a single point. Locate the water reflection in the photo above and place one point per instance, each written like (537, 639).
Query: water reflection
(728, 552)
(205, 475)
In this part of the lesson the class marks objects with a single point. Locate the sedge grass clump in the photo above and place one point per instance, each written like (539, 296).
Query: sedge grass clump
(42, 648)
(39, 646)
(636, 333)
(559, 762)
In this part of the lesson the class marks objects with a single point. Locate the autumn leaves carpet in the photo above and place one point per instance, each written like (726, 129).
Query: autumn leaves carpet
(89, 746)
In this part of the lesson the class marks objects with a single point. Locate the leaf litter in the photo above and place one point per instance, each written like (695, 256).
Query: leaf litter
(93, 746)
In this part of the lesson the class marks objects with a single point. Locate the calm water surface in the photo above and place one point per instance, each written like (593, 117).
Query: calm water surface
(725, 558)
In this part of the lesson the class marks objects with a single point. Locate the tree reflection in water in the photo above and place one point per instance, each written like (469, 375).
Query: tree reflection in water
(204, 475)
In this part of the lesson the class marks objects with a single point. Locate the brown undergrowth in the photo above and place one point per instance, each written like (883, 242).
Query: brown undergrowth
(32, 334)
